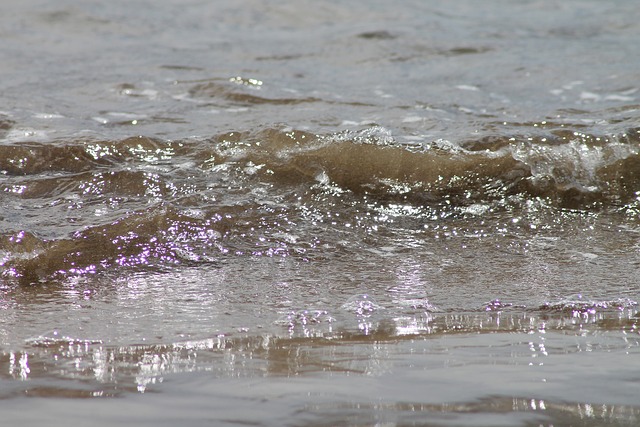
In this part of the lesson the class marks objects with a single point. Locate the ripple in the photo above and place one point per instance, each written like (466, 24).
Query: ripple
(577, 305)
(304, 318)
(56, 339)
(362, 305)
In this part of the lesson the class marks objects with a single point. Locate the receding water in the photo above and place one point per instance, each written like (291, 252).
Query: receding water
(320, 213)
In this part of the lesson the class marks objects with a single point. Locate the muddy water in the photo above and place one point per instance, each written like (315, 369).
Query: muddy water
(344, 213)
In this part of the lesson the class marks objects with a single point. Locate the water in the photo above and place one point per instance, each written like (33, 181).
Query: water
(346, 213)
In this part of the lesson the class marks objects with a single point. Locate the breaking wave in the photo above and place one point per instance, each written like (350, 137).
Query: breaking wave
(80, 206)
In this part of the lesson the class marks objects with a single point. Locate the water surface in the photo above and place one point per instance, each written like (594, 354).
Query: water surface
(347, 213)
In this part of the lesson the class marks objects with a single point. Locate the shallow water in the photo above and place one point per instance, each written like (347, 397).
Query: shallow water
(347, 213)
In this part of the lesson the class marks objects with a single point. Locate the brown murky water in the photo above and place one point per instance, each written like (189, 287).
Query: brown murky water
(346, 213)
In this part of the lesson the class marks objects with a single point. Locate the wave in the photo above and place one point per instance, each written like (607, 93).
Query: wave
(239, 91)
(579, 170)
(80, 206)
